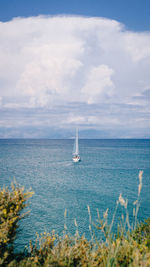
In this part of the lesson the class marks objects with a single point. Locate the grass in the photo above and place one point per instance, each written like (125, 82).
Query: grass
(129, 246)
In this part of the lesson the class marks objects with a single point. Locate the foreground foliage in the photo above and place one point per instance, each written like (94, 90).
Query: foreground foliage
(129, 247)
(12, 202)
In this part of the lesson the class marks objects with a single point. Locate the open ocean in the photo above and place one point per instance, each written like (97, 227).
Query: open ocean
(108, 168)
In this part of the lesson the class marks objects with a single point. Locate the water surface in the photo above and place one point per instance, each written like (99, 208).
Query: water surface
(108, 168)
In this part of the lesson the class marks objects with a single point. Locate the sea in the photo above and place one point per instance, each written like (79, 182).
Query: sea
(107, 169)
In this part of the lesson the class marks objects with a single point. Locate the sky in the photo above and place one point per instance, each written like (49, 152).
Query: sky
(66, 63)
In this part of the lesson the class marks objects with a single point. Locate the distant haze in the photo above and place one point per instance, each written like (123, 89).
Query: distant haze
(60, 72)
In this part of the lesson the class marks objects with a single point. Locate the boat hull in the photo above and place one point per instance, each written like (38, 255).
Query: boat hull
(76, 159)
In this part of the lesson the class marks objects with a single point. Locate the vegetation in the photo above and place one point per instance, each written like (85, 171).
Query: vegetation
(130, 246)
(11, 204)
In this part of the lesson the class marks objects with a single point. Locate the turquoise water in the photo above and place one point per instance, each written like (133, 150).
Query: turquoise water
(108, 168)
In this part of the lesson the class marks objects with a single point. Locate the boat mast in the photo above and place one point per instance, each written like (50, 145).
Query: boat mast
(77, 146)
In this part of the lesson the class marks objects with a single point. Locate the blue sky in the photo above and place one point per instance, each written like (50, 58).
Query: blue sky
(74, 63)
(133, 13)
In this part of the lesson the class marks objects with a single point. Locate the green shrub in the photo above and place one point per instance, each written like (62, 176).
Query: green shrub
(12, 202)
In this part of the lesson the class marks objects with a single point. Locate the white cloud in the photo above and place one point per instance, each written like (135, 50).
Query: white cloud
(99, 85)
(50, 63)
(138, 45)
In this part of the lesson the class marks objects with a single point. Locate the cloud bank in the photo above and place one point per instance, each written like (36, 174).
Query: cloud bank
(59, 72)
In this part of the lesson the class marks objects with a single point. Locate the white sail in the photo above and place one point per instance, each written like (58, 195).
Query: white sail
(76, 144)
(76, 157)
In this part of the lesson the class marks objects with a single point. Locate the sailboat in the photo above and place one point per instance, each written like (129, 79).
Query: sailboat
(76, 156)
